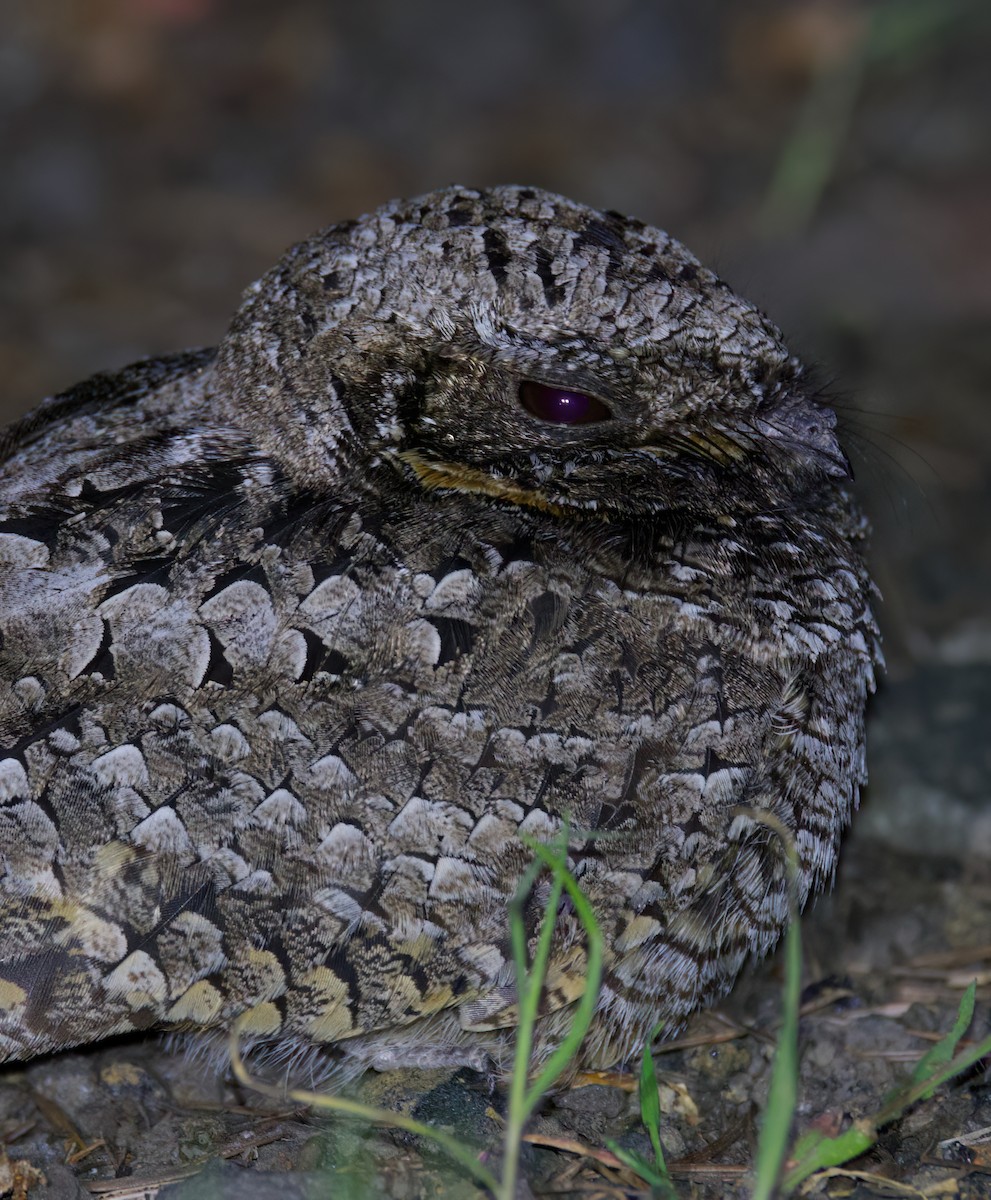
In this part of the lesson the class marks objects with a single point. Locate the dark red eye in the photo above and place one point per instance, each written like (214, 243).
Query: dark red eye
(560, 405)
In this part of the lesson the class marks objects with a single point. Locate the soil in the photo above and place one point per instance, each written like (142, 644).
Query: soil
(160, 153)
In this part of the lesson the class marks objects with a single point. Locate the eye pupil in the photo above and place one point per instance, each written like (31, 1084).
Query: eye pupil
(561, 406)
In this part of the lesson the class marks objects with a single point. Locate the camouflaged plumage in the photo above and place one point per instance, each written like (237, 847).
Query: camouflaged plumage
(299, 636)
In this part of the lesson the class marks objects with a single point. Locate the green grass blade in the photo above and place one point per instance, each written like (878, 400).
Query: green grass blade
(775, 1132)
(808, 158)
(946, 1047)
(821, 1152)
(585, 1010)
(813, 1152)
(783, 1094)
(517, 934)
(656, 1173)
(640, 1166)
(924, 1090)
(530, 980)
(650, 1103)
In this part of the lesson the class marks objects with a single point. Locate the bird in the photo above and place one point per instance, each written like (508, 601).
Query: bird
(493, 520)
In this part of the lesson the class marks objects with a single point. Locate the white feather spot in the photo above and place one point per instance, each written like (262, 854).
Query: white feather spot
(124, 766)
(421, 643)
(281, 727)
(332, 774)
(137, 979)
(13, 781)
(91, 936)
(455, 590)
(278, 810)
(162, 833)
(244, 620)
(453, 879)
(22, 553)
(85, 638)
(349, 855)
(30, 691)
(228, 743)
(331, 597)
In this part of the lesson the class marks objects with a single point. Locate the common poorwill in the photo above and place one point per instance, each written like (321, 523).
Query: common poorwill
(489, 512)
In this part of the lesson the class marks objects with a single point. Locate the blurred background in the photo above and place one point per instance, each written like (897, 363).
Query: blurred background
(828, 157)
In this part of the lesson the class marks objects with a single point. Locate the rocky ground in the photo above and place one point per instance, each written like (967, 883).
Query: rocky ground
(158, 154)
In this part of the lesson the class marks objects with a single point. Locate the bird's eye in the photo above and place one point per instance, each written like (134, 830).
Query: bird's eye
(561, 406)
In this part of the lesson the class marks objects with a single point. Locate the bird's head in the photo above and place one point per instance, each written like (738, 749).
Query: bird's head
(512, 343)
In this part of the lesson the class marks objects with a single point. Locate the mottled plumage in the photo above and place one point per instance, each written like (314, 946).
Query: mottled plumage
(299, 636)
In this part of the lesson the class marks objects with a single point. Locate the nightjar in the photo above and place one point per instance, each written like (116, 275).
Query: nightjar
(490, 513)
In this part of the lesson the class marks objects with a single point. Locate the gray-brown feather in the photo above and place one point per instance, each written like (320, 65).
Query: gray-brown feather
(299, 637)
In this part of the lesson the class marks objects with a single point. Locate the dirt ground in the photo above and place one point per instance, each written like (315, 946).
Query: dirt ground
(159, 154)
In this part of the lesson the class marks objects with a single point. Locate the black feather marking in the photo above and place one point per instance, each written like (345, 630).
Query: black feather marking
(218, 670)
(252, 572)
(496, 253)
(549, 612)
(553, 291)
(40, 523)
(456, 638)
(316, 652)
(102, 661)
(197, 493)
(460, 214)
